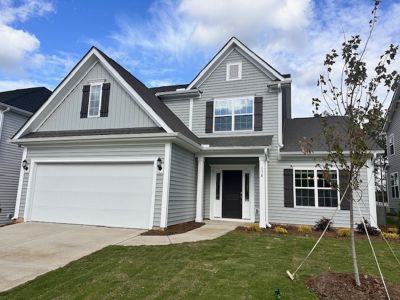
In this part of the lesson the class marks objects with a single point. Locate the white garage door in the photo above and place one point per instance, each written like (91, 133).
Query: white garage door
(106, 194)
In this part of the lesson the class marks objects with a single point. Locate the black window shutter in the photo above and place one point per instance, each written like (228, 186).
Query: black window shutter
(258, 113)
(209, 116)
(344, 179)
(288, 188)
(105, 100)
(85, 101)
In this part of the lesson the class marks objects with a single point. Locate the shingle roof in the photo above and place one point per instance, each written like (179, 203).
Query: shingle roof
(168, 88)
(148, 96)
(311, 128)
(68, 133)
(237, 141)
(29, 99)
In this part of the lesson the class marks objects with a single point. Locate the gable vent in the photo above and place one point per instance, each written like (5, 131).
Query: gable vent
(234, 71)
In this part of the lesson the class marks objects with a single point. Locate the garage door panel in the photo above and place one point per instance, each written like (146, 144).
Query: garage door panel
(117, 195)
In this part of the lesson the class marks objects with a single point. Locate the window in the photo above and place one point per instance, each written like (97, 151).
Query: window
(391, 144)
(246, 186)
(311, 185)
(94, 100)
(233, 115)
(394, 185)
(218, 186)
(234, 71)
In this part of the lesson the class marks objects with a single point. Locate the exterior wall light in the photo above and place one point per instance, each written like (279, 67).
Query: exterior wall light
(159, 164)
(25, 165)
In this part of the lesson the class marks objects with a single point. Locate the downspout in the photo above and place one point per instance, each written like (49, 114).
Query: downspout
(266, 152)
(2, 119)
(280, 125)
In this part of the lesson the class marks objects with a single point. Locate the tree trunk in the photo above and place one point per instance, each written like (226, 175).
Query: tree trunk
(353, 245)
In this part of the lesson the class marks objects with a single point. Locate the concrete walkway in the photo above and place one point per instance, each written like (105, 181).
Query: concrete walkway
(211, 230)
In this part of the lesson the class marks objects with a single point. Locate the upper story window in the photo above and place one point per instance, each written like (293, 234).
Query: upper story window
(312, 184)
(394, 185)
(94, 100)
(234, 71)
(234, 114)
(391, 144)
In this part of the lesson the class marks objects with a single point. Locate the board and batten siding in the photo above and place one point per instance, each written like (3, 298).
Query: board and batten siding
(306, 215)
(93, 150)
(253, 83)
(182, 191)
(124, 112)
(394, 160)
(230, 161)
(10, 164)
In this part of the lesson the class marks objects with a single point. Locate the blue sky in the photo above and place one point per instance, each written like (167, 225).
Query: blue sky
(166, 42)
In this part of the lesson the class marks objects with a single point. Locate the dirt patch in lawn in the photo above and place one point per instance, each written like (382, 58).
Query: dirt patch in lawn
(174, 229)
(293, 230)
(335, 286)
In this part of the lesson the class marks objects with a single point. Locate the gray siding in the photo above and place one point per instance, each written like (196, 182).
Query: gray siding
(92, 150)
(124, 112)
(303, 215)
(10, 164)
(182, 192)
(394, 160)
(181, 108)
(253, 83)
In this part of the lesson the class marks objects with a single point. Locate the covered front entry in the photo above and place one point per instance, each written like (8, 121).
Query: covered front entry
(232, 192)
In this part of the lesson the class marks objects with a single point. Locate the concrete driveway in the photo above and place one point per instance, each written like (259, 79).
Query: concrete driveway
(31, 249)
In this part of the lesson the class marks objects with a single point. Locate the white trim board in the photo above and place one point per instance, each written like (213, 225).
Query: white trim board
(34, 163)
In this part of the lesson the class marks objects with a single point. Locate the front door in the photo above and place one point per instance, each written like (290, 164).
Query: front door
(232, 194)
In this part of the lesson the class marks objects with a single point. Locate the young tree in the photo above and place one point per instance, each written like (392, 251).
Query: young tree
(353, 98)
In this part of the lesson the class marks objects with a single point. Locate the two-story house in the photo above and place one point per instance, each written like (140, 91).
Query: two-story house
(107, 150)
(16, 107)
(392, 130)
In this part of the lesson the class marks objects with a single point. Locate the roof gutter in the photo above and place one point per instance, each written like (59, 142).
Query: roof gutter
(7, 108)
(323, 153)
(179, 93)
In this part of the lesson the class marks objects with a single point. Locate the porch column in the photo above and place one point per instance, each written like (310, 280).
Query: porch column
(200, 186)
(262, 181)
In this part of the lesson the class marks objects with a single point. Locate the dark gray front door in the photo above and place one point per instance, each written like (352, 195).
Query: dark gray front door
(232, 194)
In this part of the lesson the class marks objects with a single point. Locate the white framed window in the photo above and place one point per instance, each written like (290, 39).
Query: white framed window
(234, 71)
(95, 99)
(313, 188)
(391, 144)
(394, 185)
(235, 114)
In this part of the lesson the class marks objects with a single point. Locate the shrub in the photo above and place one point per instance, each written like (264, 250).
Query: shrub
(391, 235)
(371, 229)
(321, 224)
(393, 230)
(343, 232)
(253, 227)
(304, 229)
(280, 230)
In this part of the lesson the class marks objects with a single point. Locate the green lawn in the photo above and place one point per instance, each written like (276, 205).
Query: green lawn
(237, 265)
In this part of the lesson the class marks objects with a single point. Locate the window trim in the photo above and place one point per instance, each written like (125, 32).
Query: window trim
(95, 83)
(228, 66)
(394, 186)
(315, 188)
(232, 115)
(391, 138)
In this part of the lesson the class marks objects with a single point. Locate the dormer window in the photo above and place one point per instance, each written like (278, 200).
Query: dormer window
(234, 71)
(94, 100)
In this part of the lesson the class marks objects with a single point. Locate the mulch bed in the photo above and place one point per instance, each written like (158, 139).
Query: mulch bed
(335, 286)
(293, 230)
(174, 229)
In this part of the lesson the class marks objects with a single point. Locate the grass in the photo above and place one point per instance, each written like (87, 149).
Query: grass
(236, 266)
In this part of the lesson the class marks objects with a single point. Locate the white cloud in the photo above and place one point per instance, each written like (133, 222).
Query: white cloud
(7, 85)
(292, 35)
(19, 49)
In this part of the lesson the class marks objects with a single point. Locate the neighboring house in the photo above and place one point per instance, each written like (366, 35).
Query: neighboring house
(15, 109)
(107, 150)
(392, 130)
